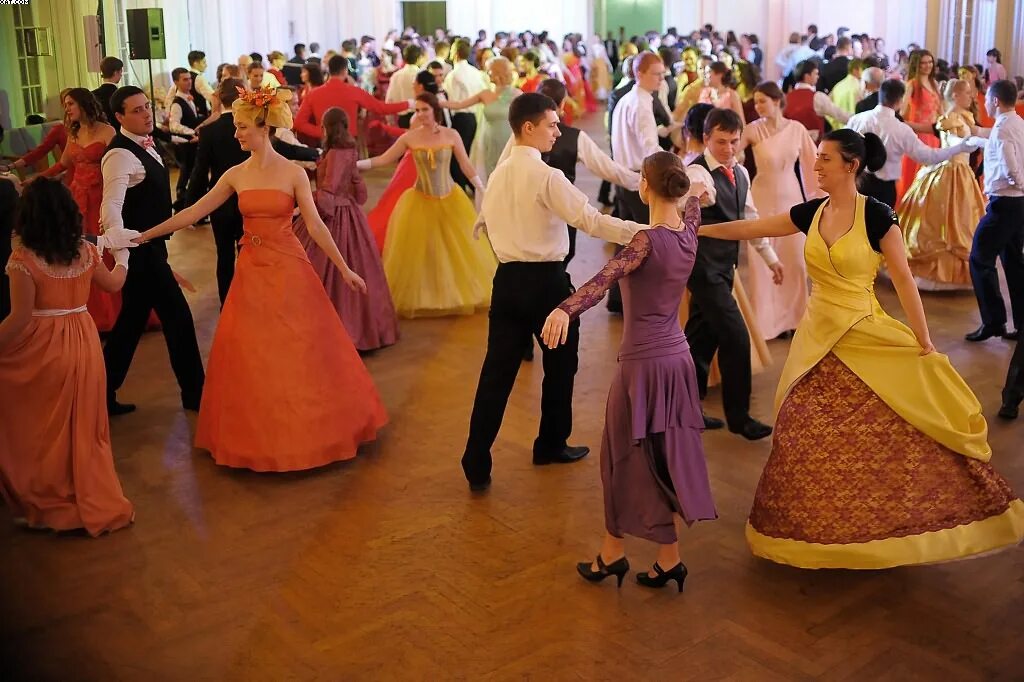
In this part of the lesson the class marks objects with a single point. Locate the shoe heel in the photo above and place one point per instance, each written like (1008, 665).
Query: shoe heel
(679, 583)
(619, 577)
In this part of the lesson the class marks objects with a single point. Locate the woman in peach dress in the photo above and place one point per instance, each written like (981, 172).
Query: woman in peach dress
(56, 464)
(285, 388)
(921, 109)
(719, 91)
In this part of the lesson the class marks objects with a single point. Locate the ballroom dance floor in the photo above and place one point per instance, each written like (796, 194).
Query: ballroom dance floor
(385, 567)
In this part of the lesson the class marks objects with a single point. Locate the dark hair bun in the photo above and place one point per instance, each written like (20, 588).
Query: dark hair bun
(666, 175)
(675, 183)
(876, 154)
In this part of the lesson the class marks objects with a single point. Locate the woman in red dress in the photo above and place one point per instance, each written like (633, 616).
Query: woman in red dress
(921, 109)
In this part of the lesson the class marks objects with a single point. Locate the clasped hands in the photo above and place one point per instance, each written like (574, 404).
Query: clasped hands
(116, 238)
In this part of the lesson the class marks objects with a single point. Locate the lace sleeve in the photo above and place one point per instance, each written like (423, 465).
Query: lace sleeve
(626, 261)
(691, 213)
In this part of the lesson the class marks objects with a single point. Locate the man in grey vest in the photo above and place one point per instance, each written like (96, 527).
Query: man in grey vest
(715, 324)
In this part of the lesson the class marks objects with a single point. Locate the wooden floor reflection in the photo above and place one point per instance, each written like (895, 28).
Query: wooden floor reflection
(385, 567)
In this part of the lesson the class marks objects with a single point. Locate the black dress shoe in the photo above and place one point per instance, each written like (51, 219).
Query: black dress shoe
(712, 423)
(480, 487)
(1012, 336)
(1008, 411)
(752, 430)
(983, 333)
(115, 409)
(568, 455)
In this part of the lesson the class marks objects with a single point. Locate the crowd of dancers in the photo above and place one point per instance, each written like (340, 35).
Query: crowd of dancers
(481, 214)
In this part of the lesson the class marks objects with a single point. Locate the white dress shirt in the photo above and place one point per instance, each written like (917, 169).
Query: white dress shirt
(174, 121)
(1004, 157)
(400, 86)
(823, 104)
(463, 82)
(595, 160)
(204, 89)
(701, 182)
(121, 169)
(899, 139)
(528, 204)
(634, 132)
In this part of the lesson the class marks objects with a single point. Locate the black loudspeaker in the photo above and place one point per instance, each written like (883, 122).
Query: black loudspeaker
(146, 33)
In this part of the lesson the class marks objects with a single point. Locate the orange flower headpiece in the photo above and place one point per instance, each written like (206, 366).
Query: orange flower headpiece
(266, 106)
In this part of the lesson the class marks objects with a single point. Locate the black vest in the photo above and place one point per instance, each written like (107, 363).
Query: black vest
(148, 203)
(202, 106)
(189, 118)
(730, 201)
(563, 154)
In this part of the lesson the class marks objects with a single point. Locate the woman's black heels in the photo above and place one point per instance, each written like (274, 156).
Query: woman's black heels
(617, 568)
(677, 573)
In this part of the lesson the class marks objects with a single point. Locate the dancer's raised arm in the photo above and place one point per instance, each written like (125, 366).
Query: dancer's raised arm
(776, 226)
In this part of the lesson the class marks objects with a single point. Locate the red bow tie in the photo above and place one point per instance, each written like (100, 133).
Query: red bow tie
(147, 142)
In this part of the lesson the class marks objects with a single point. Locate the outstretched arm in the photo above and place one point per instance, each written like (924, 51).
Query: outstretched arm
(392, 155)
(776, 226)
(895, 252)
(556, 327)
(475, 99)
(220, 193)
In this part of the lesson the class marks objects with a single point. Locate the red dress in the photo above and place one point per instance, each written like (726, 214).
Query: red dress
(924, 108)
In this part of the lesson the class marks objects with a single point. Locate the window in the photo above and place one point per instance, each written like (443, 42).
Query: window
(30, 40)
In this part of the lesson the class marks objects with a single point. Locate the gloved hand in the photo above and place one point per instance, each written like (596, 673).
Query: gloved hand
(117, 238)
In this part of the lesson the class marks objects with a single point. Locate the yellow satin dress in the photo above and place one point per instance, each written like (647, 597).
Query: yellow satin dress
(880, 455)
(433, 264)
(940, 212)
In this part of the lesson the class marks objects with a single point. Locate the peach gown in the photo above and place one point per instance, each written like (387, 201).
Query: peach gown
(285, 388)
(56, 463)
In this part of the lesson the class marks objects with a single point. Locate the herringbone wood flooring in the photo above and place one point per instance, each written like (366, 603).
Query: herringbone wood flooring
(386, 568)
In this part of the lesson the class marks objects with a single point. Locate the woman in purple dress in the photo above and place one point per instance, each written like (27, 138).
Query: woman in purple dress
(652, 459)
(340, 191)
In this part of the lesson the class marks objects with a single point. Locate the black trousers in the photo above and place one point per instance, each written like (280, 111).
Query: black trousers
(465, 125)
(185, 155)
(572, 245)
(150, 285)
(523, 296)
(883, 190)
(1000, 234)
(629, 207)
(404, 120)
(716, 325)
(1013, 391)
(227, 230)
(604, 195)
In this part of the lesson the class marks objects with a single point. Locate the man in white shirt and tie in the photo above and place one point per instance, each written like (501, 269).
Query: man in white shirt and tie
(137, 193)
(461, 83)
(400, 87)
(899, 140)
(1000, 233)
(525, 211)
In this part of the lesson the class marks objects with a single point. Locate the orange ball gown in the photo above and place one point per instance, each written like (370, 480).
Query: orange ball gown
(285, 388)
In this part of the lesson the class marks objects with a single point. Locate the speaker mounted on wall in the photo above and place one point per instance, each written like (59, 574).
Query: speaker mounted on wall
(146, 38)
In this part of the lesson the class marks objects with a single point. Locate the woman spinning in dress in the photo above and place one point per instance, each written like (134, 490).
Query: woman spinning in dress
(880, 455)
(652, 460)
(285, 389)
(433, 264)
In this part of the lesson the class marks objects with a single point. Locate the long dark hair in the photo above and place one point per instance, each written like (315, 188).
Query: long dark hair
(48, 221)
(336, 135)
(431, 99)
(92, 111)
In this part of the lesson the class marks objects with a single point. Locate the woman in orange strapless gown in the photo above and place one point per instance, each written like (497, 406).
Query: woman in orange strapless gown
(921, 109)
(285, 388)
(89, 136)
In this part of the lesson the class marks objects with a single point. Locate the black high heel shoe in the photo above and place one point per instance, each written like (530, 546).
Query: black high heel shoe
(677, 573)
(617, 568)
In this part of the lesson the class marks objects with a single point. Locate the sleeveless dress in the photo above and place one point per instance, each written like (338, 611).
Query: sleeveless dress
(880, 456)
(340, 191)
(652, 457)
(940, 212)
(776, 188)
(56, 463)
(925, 107)
(496, 129)
(285, 389)
(433, 265)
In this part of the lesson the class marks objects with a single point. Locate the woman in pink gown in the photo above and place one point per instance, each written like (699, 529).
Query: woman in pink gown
(719, 91)
(778, 144)
(340, 191)
(921, 109)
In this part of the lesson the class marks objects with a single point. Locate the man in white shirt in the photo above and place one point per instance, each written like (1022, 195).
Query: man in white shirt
(400, 87)
(460, 84)
(184, 120)
(1000, 233)
(899, 140)
(715, 324)
(525, 212)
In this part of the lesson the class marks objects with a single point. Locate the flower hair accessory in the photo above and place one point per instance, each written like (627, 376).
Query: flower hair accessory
(265, 106)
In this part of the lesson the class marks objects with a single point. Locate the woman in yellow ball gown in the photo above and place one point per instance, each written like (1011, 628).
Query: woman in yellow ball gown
(433, 264)
(880, 454)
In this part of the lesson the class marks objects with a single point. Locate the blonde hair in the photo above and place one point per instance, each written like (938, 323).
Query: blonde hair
(501, 71)
(950, 88)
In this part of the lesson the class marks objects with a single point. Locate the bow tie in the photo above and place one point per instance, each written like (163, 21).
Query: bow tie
(147, 142)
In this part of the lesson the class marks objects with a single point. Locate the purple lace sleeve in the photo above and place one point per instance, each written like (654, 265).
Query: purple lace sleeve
(626, 261)
(691, 213)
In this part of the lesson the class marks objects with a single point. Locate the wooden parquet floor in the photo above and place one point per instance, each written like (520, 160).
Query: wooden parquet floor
(386, 568)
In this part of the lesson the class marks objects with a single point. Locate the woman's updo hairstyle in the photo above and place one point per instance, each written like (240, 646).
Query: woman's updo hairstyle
(723, 70)
(665, 175)
(695, 118)
(772, 91)
(867, 150)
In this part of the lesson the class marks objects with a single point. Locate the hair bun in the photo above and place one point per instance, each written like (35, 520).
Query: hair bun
(676, 183)
(876, 154)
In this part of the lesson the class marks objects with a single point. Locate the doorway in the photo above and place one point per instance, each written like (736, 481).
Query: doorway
(632, 17)
(425, 15)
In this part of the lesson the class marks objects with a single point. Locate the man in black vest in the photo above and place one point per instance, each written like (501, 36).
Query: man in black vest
(218, 151)
(184, 120)
(111, 69)
(137, 194)
(715, 323)
(202, 93)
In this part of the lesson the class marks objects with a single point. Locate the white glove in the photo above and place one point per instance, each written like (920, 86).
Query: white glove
(121, 257)
(117, 238)
(363, 164)
(975, 142)
(477, 183)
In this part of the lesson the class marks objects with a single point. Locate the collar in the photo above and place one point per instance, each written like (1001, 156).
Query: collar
(804, 86)
(640, 92)
(525, 150)
(1002, 115)
(883, 111)
(713, 162)
(137, 139)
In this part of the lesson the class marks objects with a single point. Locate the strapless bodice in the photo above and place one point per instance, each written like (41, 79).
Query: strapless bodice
(267, 221)
(433, 173)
